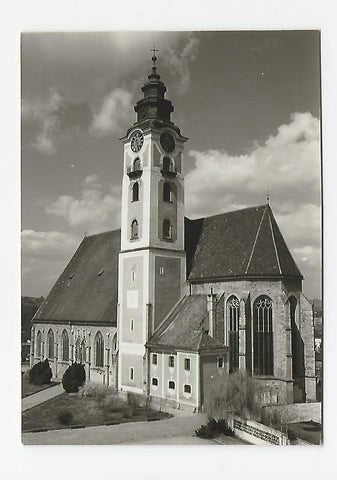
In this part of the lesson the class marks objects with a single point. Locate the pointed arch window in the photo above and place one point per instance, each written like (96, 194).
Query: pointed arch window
(50, 340)
(263, 336)
(167, 192)
(167, 229)
(38, 344)
(134, 229)
(78, 350)
(65, 346)
(99, 350)
(233, 317)
(135, 192)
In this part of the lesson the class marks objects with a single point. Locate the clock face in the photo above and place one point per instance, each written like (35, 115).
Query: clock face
(137, 141)
(167, 142)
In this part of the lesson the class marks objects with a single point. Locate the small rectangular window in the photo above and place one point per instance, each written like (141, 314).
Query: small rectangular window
(133, 275)
(154, 359)
(131, 374)
(131, 325)
(155, 382)
(187, 389)
(221, 362)
(161, 271)
(171, 385)
(187, 364)
(171, 361)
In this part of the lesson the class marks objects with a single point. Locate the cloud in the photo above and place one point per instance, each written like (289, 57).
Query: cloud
(44, 255)
(287, 165)
(94, 210)
(114, 110)
(177, 59)
(45, 113)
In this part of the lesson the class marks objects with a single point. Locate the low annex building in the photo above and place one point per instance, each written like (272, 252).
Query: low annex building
(166, 304)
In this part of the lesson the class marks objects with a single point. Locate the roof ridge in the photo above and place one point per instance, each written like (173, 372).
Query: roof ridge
(102, 233)
(274, 243)
(255, 241)
(225, 213)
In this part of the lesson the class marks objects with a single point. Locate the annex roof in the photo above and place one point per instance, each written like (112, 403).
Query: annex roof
(243, 243)
(183, 328)
(86, 291)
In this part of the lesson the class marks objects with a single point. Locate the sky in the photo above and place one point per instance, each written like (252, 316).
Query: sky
(249, 102)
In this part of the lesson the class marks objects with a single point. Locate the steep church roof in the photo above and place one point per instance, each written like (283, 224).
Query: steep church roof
(241, 244)
(183, 327)
(86, 291)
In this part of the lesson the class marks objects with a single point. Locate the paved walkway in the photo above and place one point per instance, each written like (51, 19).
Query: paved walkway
(40, 397)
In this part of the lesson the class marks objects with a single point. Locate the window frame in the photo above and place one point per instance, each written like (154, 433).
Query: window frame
(155, 379)
(171, 382)
(154, 359)
(99, 353)
(167, 192)
(263, 336)
(187, 364)
(233, 328)
(50, 344)
(135, 192)
(189, 386)
(171, 360)
(131, 374)
(167, 229)
(65, 336)
(222, 360)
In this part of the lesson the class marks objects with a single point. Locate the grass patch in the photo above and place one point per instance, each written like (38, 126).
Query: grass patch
(84, 411)
(28, 388)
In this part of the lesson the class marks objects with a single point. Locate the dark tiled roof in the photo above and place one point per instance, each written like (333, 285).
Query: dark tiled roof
(183, 327)
(243, 243)
(86, 291)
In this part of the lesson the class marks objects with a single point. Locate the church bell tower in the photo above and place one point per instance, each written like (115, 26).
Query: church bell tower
(152, 260)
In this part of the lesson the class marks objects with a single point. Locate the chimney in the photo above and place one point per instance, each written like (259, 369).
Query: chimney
(211, 300)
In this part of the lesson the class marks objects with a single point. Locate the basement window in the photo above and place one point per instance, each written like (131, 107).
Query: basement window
(187, 389)
(171, 385)
(155, 382)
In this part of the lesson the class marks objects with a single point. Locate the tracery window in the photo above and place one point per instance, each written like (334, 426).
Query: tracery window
(233, 316)
(38, 344)
(65, 346)
(83, 352)
(263, 336)
(99, 350)
(135, 192)
(134, 229)
(50, 340)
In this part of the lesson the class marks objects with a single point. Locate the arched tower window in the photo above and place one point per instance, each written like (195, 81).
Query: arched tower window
(38, 344)
(135, 192)
(167, 192)
(233, 316)
(99, 350)
(263, 336)
(50, 340)
(136, 164)
(167, 229)
(134, 229)
(65, 346)
(167, 164)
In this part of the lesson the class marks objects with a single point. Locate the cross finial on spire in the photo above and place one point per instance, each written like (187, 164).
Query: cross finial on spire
(154, 58)
(268, 197)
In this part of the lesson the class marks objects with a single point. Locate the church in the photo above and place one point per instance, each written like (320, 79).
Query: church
(165, 305)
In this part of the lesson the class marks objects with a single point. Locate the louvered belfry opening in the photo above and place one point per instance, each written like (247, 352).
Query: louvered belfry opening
(263, 336)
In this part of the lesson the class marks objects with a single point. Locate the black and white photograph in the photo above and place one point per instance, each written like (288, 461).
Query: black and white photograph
(171, 238)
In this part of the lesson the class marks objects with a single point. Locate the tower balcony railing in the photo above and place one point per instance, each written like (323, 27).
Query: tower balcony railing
(168, 172)
(134, 172)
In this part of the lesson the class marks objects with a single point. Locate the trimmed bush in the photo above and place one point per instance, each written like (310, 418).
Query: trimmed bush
(214, 428)
(40, 374)
(73, 378)
(65, 417)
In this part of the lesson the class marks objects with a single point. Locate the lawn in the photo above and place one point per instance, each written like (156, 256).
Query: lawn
(74, 410)
(28, 388)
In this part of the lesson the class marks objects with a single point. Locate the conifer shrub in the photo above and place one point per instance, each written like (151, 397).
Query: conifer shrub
(73, 378)
(40, 373)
